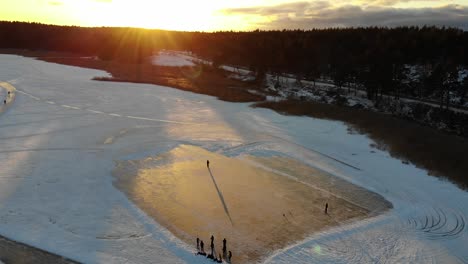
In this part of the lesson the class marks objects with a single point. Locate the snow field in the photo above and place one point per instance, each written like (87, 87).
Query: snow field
(56, 185)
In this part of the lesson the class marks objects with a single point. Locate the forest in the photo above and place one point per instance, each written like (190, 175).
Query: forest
(420, 62)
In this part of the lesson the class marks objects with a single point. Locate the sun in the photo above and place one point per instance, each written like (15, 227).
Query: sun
(172, 15)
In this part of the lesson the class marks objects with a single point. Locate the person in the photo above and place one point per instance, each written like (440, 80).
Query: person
(198, 244)
(202, 250)
(224, 248)
(212, 246)
(207, 163)
(229, 256)
(326, 208)
(4, 101)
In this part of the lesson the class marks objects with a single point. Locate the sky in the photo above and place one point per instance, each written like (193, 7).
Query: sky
(212, 15)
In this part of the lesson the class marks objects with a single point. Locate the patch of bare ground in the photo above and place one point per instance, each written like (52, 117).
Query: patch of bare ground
(199, 79)
(443, 155)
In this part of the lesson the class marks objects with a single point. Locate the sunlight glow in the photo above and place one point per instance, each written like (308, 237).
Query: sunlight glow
(185, 15)
(175, 14)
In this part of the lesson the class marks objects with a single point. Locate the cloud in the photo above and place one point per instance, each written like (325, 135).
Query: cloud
(297, 7)
(322, 14)
(392, 2)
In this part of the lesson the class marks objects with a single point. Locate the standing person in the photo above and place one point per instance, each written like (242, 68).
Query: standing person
(207, 163)
(224, 248)
(229, 256)
(198, 244)
(326, 208)
(202, 250)
(212, 246)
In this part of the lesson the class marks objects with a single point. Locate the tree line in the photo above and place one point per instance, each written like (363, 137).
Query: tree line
(414, 61)
(422, 62)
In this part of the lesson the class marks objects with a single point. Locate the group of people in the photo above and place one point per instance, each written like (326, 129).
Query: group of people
(5, 101)
(227, 255)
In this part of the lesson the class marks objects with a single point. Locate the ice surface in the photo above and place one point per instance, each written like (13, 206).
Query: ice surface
(61, 137)
(258, 204)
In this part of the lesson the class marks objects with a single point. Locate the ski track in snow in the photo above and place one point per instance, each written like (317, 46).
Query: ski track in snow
(99, 112)
(59, 140)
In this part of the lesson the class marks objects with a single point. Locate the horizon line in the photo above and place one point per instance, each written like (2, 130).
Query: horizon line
(241, 31)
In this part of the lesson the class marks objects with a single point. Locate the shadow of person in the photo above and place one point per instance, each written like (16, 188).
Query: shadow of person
(221, 197)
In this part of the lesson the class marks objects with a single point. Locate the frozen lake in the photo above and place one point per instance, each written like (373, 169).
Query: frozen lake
(63, 135)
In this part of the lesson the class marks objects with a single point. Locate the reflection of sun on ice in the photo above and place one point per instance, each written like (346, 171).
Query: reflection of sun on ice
(258, 209)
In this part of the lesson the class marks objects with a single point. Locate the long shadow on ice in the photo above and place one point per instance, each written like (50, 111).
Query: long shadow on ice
(221, 197)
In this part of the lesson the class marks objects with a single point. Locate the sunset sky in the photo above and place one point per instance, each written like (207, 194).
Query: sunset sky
(210, 15)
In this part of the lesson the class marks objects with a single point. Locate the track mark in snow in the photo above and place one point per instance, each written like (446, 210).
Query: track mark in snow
(318, 152)
(110, 114)
(71, 107)
(160, 120)
(244, 147)
(439, 224)
(335, 159)
(50, 149)
(94, 111)
(30, 95)
(123, 238)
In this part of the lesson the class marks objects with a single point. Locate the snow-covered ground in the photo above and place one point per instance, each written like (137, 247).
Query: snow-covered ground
(318, 91)
(172, 59)
(61, 137)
